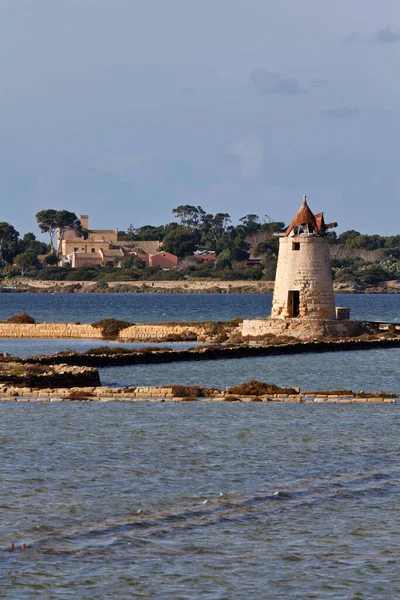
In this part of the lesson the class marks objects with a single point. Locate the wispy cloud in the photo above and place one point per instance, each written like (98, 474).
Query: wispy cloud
(341, 112)
(387, 35)
(250, 151)
(266, 82)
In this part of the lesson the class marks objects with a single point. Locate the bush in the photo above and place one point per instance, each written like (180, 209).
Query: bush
(53, 273)
(88, 273)
(374, 274)
(51, 259)
(110, 328)
(190, 391)
(23, 318)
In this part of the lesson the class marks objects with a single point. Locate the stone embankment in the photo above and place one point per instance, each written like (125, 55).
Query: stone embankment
(32, 375)
(124, 357)
(139, 332)
(168, 394)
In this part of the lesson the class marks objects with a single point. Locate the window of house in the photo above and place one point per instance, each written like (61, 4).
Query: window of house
(76, 249)
(295, 245)
(93, 249)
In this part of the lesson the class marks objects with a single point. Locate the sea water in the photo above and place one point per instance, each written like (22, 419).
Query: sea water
(201, 500)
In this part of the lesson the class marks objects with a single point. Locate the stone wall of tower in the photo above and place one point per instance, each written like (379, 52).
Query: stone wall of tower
(307, 270)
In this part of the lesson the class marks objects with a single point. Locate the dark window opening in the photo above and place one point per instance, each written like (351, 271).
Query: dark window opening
(294, 304)
(93, 249)
(295, 245)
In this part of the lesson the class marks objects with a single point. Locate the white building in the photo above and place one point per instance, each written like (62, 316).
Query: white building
(303, 282)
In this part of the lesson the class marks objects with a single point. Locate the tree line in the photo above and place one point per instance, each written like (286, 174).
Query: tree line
(191, 229)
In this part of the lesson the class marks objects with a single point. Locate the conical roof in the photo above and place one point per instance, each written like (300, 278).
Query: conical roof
(304, 216)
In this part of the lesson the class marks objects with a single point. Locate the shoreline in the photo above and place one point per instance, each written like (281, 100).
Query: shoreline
(177, 287)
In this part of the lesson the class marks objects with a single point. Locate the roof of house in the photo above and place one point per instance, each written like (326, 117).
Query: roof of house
(163, 253)
(147, 246)
(85, 255)
(112, 252)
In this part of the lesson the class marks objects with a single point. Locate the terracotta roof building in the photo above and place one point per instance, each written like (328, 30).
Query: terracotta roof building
(303, 283)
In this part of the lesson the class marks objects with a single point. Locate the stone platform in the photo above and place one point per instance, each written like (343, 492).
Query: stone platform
(304, 329)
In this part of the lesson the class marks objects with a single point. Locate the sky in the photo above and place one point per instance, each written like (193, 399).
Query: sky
(125, 109)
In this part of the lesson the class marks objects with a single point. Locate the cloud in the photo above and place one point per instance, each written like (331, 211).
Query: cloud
(342, 112)
(250, 151)
(319, 81)
(387, 35)
(122, 165)
(266, 82)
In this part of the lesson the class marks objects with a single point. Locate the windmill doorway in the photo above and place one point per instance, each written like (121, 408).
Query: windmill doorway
(294, 304)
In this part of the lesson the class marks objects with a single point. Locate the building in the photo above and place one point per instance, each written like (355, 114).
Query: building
(203, 257)
(164, 260)
(91, 242)
(101, 247)
(303, 303)
(303, 282)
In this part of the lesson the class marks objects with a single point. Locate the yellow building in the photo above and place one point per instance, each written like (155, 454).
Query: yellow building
(88, 248)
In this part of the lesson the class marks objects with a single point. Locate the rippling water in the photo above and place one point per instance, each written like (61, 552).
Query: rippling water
(193, 501)
(200, 501)
(369, 370)
(88, 308)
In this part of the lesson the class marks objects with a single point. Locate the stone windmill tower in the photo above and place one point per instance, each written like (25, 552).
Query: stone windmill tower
(303, 282)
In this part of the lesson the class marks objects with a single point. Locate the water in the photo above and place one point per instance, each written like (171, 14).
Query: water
(199, 500)
(139, 308)
(369, 370)
(34, 347)
(258, 501)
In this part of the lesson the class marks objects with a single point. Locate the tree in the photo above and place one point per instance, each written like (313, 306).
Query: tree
(213, 228)
(47, 222)
(26, 260)
(189, 216)
(273, 227)
(54, 222)
(133, 262)
(66, 220)
(29, 243)
(8, 242)
(224, 260)
(250, 224)
(180, 241)
(51, 259)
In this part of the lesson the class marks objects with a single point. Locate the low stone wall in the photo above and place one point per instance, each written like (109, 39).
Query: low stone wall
(166, 394)
(300, 328)
(32, 377)
(140, 332)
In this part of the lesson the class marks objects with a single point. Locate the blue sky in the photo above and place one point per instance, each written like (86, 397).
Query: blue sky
(124, 109)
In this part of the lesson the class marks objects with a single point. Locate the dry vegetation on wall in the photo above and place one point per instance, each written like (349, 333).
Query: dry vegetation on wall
(110, 328)
(259, 388)
(23, 318)
(190, 391)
